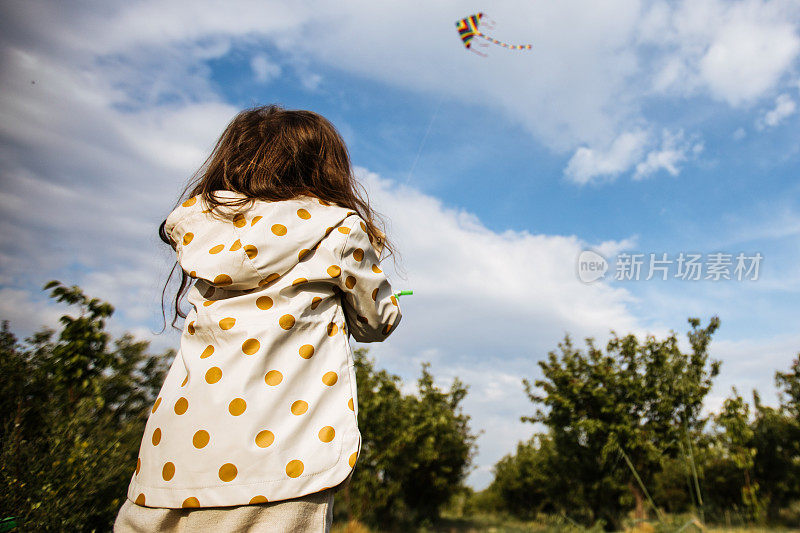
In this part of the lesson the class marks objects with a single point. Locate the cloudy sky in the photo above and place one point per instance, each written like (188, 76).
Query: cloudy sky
(630, 127)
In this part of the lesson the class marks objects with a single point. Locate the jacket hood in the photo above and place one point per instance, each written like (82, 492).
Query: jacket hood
(243, 248)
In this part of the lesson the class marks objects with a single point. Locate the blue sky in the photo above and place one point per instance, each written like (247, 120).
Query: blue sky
(648, 127)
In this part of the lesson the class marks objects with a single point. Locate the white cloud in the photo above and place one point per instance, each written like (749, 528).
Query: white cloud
(751, 364)
(735, 52)
(747, 58)
(624, 51)
(593, 164)
(264, 69)
(739, 134)
(674, 150)
(784, 107)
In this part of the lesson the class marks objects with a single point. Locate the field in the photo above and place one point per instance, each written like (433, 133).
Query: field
(493, 523)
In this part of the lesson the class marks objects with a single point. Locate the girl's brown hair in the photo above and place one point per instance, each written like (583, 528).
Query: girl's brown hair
(270, 153)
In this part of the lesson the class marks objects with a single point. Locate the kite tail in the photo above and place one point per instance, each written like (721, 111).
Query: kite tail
(506, 45)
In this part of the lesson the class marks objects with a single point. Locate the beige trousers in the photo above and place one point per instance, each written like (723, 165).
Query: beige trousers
(310, 513)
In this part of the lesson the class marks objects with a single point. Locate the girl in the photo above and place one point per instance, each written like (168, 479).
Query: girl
(255, 425)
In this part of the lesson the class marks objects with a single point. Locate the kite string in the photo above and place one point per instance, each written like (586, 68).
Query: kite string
(424, 138)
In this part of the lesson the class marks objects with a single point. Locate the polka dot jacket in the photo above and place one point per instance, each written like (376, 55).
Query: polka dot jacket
(260, 402)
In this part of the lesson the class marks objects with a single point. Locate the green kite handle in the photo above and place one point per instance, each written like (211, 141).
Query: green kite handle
(404, 293)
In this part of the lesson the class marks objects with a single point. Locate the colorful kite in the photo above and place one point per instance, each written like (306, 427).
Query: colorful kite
(469, 28)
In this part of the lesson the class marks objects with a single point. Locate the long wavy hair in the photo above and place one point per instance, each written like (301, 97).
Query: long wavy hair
(270, 153)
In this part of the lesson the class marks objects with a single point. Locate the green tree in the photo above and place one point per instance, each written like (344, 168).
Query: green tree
(526, 481)
(72, 417)
(416, 449)
(776, 439)
(737, 440)
(612, 416)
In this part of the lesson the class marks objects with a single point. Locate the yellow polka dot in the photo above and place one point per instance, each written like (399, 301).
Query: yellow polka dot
(255, 219)
(156, 436)
(168, 472)
(190, 503)
(139, 499)
(201, 439)
(315, 302)
(375, 294)
(279, 229)
(386, 329)
(258, 499)
(213, 375)
(265, 438)
(216, 249)
(251, 251)
(208, 352)
(190, 328)
(393, 299)
(227, 323)
(363, 226)
(303, 253)
(344, 230)
(350, 404)
(208, 303)
(193, 274)
(273, 377)
(328, 230)
(228, 472)
(294, 468)
(222, 280)
(181, 405)
(326, 434)
(190, 202)
(323, 202)
(353, 458)
(138, 465)
(333, 329)
(155, 405)
(376, 269)
(236, 245)
(187, 238)
(185, 381)
(239, 221)
(302, 213)
(286, 321)
(350, 282)
(306, 351)
(358, 254)
(250, 346)
(264, 303)
(237, 406)
(299, 407)
(272, 278)
(330, 378)
(334, 271)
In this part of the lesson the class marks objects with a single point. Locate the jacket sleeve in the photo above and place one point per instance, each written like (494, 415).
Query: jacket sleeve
(372, 311)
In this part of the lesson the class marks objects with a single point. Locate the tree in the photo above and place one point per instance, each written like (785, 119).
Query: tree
(416, 449)
(736, 438)
(72, 417)
(526, 481)
(613, 416)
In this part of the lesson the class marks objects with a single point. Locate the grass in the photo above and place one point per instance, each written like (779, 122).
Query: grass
(495, 523)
